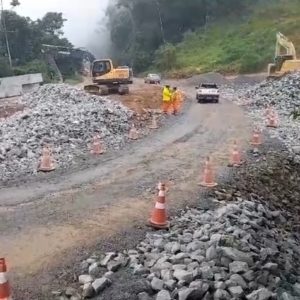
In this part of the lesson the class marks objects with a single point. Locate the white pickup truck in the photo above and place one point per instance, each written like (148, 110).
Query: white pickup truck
(207, 92)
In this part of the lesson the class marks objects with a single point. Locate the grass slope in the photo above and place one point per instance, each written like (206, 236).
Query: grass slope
(238, 47)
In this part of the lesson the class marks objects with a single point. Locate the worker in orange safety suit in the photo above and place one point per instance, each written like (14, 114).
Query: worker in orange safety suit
(181, 99)
(176, 101)
(167, 99)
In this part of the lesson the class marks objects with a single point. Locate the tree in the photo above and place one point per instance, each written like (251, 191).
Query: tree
(165, 57)
(19, 32)
(142, 26)
(15, 3)
(25, 39)
(52, 24)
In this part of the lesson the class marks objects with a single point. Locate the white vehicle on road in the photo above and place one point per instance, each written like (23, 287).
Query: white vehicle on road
(207, 92)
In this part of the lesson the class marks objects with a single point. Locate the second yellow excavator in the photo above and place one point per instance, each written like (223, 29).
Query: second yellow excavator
(284, 62)
(107, 79)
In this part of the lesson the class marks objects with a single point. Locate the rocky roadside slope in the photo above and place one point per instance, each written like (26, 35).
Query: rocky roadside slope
(248, 248)
(283, 97)
(64, 117)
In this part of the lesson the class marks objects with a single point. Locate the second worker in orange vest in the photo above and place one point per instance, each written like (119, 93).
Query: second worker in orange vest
(176, 100)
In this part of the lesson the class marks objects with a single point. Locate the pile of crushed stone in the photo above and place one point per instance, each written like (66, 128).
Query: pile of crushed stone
(64, 117)
(282, 96)
(238, 251)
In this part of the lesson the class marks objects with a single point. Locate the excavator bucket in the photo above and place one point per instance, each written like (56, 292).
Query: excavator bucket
(93, 89)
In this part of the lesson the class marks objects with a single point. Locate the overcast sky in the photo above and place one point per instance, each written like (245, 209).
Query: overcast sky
(82, 15)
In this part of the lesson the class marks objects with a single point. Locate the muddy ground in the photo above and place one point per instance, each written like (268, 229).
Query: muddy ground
(50, 224)
(9, 106)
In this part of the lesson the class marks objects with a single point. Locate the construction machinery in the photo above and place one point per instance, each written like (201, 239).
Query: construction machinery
(107, 79)
(284, 62)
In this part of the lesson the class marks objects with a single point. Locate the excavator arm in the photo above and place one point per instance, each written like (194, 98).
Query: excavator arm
(285, 60)
(284, 42)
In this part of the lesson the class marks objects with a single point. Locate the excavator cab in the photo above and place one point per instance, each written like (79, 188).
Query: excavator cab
(100, 68)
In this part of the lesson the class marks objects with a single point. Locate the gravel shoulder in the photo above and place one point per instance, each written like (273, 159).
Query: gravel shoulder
(47, 223)
(240, 240)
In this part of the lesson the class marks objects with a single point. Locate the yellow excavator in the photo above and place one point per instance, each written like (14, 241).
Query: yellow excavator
(284, 62)
(107, 79)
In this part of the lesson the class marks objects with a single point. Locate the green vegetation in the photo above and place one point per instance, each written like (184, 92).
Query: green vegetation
(140, 27)
(36, 66)
(234, 36)
(241, 47)
(26, 40)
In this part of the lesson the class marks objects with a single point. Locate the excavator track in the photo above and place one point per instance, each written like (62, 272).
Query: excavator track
(95, 89)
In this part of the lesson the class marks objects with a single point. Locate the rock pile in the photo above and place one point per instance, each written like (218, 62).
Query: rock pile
(284, 96)
(64, 117)
(238, 251)
(275, 181)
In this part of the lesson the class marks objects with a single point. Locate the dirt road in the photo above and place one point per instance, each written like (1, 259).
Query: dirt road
(43, 224)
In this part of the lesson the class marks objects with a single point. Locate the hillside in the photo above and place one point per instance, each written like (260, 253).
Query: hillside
(196, 36)
(239, 47)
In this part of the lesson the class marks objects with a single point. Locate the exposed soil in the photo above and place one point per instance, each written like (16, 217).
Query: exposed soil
(142, 98)
(8, 107)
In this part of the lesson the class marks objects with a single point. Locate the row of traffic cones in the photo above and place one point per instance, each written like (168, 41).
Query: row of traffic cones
(235, 158)
(47, 163)
(159, 218)
(134, 134)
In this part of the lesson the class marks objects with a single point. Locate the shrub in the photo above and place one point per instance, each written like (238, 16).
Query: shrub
(36, 66)
(165, 57)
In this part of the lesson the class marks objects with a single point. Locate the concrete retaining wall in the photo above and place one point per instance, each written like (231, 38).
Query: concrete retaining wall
(17, 85)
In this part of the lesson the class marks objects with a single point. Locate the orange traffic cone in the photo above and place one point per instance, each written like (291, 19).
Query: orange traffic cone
(133, 133)
(268, 110)
(272, 120)
(4, 284)
(208, 177)
(46, 163)
(154, 123)
(159, 215)
(235, 157)
(97, 148)
(256, 137)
